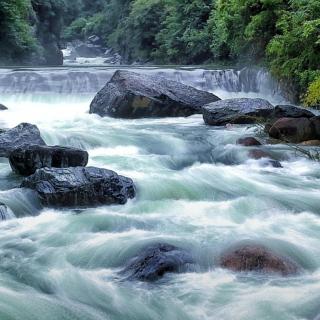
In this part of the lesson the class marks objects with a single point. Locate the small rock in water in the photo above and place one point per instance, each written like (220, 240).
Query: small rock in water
(257, 258)
(155, 261)
(315, 143)
(27, 160)
(237, 111)
(80, 187)
(131, 95)
(248, 142)
(23, 135)
(2, 107)
(258, 154)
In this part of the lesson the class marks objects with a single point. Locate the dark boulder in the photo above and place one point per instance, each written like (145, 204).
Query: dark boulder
(155, 261)
(248, 142)
(132, 95)
(5, 212)
(79, 187)
(237, 111)
(288, 111)
(27, 160)
(2, 107)
(257, 258)
(315, 121)
(23, 135)
(293, 130)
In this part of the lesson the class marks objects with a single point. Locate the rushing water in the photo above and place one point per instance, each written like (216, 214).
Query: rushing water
(196, 189)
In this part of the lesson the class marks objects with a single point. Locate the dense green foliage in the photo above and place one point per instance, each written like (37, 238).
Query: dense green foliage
(16, 40)
(283, 34)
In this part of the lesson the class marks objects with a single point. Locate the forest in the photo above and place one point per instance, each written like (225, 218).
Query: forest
(283, 35)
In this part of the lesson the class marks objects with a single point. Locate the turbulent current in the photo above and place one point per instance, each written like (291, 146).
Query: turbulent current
(196, 189)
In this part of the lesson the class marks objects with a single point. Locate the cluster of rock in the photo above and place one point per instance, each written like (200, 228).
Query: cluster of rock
(156, 260)
(59, 174)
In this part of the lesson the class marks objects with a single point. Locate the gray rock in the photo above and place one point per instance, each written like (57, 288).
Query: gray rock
(288, 111)
(79, 187)
(23, 135)
(132, 95)
(257, 258)
(27, 160)
(237, 111)
(2, 107)
(155, 261)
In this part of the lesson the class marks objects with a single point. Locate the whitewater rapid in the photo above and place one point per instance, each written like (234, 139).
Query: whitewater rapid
(196, 189)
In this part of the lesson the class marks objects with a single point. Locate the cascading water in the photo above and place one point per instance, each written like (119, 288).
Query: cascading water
(197, 189)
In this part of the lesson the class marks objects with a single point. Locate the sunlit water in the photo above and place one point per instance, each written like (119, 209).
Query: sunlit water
(196, 189)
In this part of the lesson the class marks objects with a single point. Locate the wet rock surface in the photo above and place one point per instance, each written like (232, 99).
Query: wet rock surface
(293, 130)
(23, 135)
(27, 160)
(132, 95)
(237, 111)
(154, 261)
(257, 258)
(80, 187)
(3, 107)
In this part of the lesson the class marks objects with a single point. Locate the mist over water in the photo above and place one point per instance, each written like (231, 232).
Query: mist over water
(196, 189)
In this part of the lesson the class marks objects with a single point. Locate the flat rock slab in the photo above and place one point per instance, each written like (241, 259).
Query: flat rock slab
(132, 95)
(257, 258)
(154, 261)
(237, 111)
(23, 135)
(26, 161)
(80, 187)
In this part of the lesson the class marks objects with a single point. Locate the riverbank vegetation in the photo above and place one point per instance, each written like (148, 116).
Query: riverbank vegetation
(284, 35)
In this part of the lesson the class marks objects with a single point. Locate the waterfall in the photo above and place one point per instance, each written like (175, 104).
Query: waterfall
(88, 81)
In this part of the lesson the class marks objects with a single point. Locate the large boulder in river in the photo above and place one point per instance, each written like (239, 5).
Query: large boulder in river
(27, 160)
(237, 111)
(23, 135)
(293, 130)
(79, 187)
(132, 95)
(257, 258)
(155, 261)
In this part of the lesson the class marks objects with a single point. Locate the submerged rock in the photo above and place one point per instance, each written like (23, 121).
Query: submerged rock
(2, 107)
(27, 160)
(23, 135)
(132, 95)
(257, 258)
(258, 154)
(80, 187)
(293, 130)
(248, 142)
(237, 111)
(5, 212)
(155, 261)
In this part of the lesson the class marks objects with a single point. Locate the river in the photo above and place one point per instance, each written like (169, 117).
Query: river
(196, 189)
